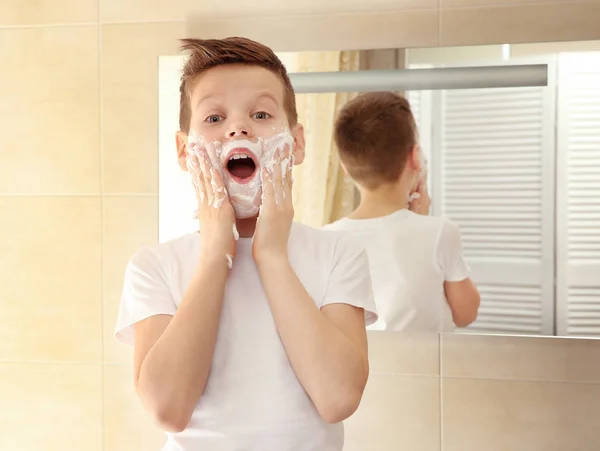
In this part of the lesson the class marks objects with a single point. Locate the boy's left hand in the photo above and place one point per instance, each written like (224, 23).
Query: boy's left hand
(421, 203)
(274, 223)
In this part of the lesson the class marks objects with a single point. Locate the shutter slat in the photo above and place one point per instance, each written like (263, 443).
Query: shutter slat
(509, 309)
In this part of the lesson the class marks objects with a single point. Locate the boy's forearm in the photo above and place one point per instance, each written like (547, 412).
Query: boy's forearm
(330, 367)
(174, 372)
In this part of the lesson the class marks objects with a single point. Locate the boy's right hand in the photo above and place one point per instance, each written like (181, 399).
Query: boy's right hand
(421, 203)
(215, 212)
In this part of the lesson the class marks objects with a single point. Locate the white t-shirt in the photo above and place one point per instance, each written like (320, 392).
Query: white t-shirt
(253, 400)
(410, 257)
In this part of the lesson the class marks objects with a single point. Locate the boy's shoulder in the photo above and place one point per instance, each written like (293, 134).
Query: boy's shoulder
(163, 253)
(335, 226)
(305, 234)
(323, 242)
(401, 222)
(436, 221)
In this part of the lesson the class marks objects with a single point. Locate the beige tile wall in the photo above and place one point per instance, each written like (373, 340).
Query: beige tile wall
(78, 194)
(505, 393)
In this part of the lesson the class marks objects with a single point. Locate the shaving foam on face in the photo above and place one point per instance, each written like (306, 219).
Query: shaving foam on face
(218, 193)
(245, 198)
(278, 142)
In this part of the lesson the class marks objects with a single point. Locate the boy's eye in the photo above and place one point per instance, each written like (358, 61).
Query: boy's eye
(261, 115)
(213, 118)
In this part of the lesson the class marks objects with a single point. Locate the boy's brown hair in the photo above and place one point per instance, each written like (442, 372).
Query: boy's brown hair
(374, 134)
(208, 53)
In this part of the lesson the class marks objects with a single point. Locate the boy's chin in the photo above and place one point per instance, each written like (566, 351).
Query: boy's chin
(243, 212)
(247, 218)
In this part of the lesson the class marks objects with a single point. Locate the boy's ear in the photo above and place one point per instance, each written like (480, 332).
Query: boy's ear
(299, 143)
(344, 169)
(415, 158)
(181, 139)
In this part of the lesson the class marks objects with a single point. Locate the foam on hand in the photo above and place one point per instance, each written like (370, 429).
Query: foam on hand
(219, 193)
(422, 175)
(279, 142)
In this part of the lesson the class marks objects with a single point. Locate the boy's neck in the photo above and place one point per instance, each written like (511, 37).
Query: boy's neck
(381, 201)
(246, 227)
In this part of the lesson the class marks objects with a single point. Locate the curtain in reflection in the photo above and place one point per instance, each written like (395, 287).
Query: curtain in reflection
(322, 190)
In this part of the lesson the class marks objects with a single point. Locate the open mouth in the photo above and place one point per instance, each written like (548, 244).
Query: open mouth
(241, 166)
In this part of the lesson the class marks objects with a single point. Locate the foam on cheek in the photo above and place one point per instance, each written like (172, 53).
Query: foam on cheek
(194, 169)
(271, 145)
(278, 142)
(244, 195)
(197, 146)
(246, 198)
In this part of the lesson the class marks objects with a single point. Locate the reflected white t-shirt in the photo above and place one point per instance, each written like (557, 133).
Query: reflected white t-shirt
(253, 400)
(410, 257)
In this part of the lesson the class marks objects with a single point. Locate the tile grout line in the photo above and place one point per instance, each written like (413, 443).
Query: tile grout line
(102, 247)
(301, 15)
(80, 195)
(521, 380)
(412, 375)
(124, 364)
(49, 25)
(54, 362)
(280, 16)
(500, 4)
(223, 18)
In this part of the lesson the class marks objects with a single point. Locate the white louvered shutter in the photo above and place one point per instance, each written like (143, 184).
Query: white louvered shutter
(496, 150)
(578, 193)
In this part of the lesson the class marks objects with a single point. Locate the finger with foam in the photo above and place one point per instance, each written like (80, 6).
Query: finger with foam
(422, 176)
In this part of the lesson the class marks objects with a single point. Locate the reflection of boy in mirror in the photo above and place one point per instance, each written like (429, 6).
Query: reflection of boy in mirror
(420, 280)
(249, 335)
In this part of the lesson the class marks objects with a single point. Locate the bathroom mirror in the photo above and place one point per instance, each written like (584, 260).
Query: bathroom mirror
(516, 165)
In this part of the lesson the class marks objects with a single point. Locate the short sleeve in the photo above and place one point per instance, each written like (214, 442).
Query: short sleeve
(450, 253)
(145, 293)
(350, 280)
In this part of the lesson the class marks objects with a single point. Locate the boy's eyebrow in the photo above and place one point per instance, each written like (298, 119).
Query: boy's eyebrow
(268, 96)
(206, 97)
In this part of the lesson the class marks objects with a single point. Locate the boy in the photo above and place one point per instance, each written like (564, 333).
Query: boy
(420, 280)
(248, 335)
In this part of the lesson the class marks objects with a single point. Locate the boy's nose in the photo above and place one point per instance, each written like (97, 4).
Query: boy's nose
(238, 132)
(239, 129)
